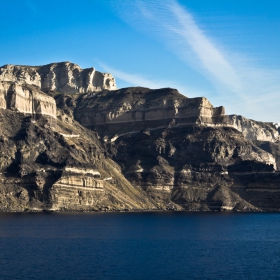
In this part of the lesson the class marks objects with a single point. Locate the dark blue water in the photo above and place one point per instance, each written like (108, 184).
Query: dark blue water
(140, 246)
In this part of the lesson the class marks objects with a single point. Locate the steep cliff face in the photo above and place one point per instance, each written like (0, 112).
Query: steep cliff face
(65, 77)
(26, 99)
(254, 130)
(62, 169)
(127, 149)
(182, 150)
(198, 168)
(132, 109)
(135, 109)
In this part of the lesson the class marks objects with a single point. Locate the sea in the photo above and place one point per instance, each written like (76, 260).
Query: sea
(156, 245)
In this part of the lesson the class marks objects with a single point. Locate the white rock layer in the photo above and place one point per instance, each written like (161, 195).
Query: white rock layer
(26, 99)
(65, 77)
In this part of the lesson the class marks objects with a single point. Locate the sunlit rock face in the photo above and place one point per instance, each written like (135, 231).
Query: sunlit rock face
(254, 130)
(140, 110)
(182, 151)
(26, 99)
(128, 149)
(77, 188)
(64, 77)
(133, 109)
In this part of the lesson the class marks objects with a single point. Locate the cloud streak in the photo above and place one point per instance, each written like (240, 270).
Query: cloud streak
(132, 79)
(254, 90)
(139, 80)
(178, 29)
(210, 57)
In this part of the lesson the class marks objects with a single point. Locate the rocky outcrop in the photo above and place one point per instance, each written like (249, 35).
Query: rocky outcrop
(129, 149)
(134, 109)
(64, 77)
(198, 168)
(26, 99)
(77, 187)
(254, 130)
(61, 169)
(182, 150)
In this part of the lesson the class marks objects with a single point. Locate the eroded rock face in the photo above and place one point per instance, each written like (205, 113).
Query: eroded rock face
(127, 149)
(60, 169)
(64, 77)
(182, 150)
(198, 168)
(254, 130)
(77, 187)
(26, 99)
(135, 109)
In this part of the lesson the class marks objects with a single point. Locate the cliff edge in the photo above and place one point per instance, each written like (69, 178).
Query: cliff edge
(129, 149)
(64, 77)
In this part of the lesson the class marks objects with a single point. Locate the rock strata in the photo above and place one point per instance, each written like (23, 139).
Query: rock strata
(59, 169)
(131, 149)
(135, 109)
(254, 130)
(64, 77)
(180, 149)
(26, 99)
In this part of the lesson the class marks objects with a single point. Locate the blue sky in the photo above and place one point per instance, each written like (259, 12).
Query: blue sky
(227, 51)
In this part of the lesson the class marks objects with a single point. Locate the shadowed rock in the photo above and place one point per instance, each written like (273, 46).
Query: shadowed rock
(127, 149)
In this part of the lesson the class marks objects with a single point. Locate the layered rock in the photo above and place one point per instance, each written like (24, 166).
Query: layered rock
(26, 99)
(127, 149)
(135, 109)
(183, 150)
(132, 109)
(254, 130)
(64, 77)
(198, 168)
(61, 169)
(77, 187)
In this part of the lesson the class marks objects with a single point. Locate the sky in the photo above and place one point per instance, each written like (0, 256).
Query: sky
(227, 51)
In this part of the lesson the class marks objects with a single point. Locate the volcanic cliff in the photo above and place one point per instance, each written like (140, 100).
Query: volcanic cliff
(71, 141)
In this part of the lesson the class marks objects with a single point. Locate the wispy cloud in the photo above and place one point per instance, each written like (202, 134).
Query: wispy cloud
(178, 29)
(132, 79)
(235, 79)
(210, 57)
(139, 80)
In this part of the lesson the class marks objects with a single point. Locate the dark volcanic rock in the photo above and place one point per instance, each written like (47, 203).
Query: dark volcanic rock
(65, 168)
(127, 149)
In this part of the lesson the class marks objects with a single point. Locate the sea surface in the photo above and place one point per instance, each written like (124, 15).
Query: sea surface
(140, 245)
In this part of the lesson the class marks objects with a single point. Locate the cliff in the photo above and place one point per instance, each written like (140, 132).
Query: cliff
(132, 109)
(254, 130)
(128, 149)
(64, 77)
(26, 99)
(135, 109)
(184, 150)
(60, 169)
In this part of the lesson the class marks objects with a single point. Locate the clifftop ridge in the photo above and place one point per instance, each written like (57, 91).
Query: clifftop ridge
(64, 77)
